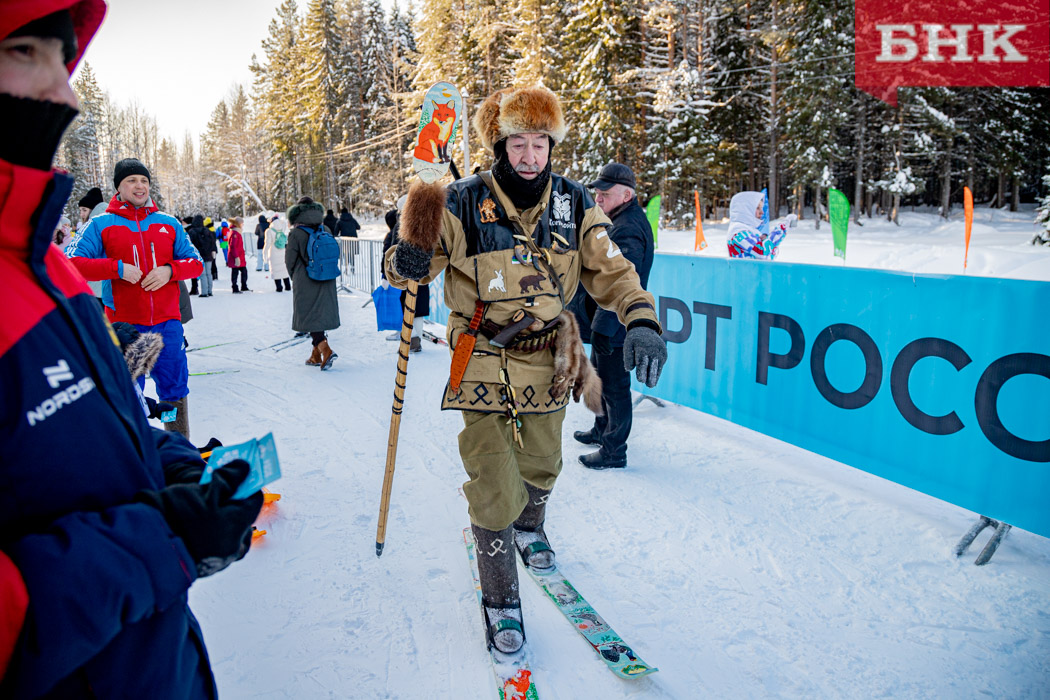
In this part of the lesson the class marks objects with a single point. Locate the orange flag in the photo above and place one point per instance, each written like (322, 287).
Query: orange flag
(968, 208)
(701, 242)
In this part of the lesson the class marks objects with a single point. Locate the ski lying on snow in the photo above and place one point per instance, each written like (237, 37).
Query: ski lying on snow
(513, 675)
(293, 343)
(216, 345)
(221, 371)
(611, 648)
(282, 344)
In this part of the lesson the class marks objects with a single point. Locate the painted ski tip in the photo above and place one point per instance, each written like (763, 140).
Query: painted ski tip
(379, 549)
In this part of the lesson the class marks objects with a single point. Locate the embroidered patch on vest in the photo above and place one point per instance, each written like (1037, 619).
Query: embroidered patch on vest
(497, 282)
(488, 211)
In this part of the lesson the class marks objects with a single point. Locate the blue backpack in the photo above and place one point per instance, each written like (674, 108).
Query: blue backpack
(323, 254)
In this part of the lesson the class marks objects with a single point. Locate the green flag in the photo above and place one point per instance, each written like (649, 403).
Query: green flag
(652, 212)
(838, 213)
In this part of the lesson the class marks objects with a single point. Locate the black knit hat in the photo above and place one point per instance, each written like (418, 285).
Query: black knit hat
(92, 199)
(128, 167)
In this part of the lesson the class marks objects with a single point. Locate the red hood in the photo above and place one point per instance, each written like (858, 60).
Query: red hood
(128, 210)
(87, 17)
(21, 190)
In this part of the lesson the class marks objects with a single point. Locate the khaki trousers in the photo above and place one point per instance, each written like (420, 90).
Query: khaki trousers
(498, 468)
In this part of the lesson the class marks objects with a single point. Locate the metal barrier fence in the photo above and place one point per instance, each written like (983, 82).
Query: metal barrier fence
(360, 264)
(361, 269)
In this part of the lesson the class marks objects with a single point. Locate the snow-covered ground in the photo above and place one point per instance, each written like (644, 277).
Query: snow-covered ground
(741, 566)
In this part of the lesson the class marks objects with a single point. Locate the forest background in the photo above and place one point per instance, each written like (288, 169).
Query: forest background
(716, 96)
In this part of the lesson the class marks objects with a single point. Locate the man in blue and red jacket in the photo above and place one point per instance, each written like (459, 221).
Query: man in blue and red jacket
(102, 515)
(144, 253)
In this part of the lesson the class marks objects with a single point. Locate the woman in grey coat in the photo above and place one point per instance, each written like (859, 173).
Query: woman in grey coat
(315, 305)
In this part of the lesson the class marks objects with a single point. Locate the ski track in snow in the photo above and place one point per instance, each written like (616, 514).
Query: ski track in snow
(741, 566)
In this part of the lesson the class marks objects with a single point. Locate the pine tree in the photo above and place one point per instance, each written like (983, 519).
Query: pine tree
(603, 107)
(320, 94)
(275, 103)
(81, 152)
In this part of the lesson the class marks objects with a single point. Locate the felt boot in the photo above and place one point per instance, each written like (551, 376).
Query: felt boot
(529, 538)
(500, 596)
(181, 424)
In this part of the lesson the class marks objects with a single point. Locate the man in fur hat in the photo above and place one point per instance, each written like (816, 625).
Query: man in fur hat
(514, 243)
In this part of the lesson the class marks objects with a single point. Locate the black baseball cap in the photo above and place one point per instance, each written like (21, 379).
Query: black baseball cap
(614, 174)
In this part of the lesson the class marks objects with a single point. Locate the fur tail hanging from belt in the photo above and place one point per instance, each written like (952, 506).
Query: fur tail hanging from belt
(572, 369)
(421, 226)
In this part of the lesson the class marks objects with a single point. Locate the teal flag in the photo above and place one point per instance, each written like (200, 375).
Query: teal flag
(838, 213)
(652, 212)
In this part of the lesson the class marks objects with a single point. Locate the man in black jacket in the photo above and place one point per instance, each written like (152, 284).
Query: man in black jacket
(614, 192)
(260, 243)
(347, 225)
(204, 241)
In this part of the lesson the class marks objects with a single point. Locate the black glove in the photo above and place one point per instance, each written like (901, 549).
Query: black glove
(183, 473)
(126, 334)
(645, 349)
(157, 409)
(601, 343)
(216, 530)
(411, 262)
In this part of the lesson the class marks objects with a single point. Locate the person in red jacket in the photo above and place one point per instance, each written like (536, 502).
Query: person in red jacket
(144, 253)
(235, 258)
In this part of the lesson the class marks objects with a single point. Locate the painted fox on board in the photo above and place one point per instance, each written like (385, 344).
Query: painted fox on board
(433, 138)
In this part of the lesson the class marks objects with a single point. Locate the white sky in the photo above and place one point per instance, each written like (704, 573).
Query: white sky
(178, 59)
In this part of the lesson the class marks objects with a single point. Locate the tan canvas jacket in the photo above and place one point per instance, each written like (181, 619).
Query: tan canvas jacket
(476, 252)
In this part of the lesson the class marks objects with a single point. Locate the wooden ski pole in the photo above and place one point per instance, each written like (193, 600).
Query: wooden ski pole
(395, 416)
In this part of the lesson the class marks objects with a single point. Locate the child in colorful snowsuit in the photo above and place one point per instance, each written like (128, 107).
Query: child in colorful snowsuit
(746, 219)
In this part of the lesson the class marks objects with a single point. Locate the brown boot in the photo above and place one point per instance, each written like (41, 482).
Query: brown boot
(315, 357)
(181, 424)
(327, 355)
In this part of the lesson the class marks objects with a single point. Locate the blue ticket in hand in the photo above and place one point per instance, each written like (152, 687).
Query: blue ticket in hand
(261, 456)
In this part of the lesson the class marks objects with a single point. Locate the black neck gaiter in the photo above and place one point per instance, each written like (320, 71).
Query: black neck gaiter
(524, 193)
(34, 132)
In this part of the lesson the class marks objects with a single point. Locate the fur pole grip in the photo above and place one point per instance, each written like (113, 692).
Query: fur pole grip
(420, 221)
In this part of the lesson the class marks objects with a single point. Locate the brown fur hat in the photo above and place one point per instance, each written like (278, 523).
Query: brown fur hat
(527, 110)
(420, 221)
(572, 369)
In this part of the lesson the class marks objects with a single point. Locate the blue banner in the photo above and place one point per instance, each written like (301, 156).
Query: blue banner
(939, 383)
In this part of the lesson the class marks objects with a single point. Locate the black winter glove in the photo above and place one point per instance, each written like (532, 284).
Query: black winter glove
(411, 262)
(601, 343)
(157, 409)
(183, 473)
(216, 530)
(644, 349)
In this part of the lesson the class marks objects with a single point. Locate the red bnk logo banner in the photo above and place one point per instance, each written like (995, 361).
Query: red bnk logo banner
(927, 43)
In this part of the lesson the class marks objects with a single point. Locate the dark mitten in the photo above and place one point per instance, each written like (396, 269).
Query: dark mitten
(411, 262)
(183, 473)
(602, 344)
(126, 334)
(216, 529)
(645, 352)
(157, 409)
